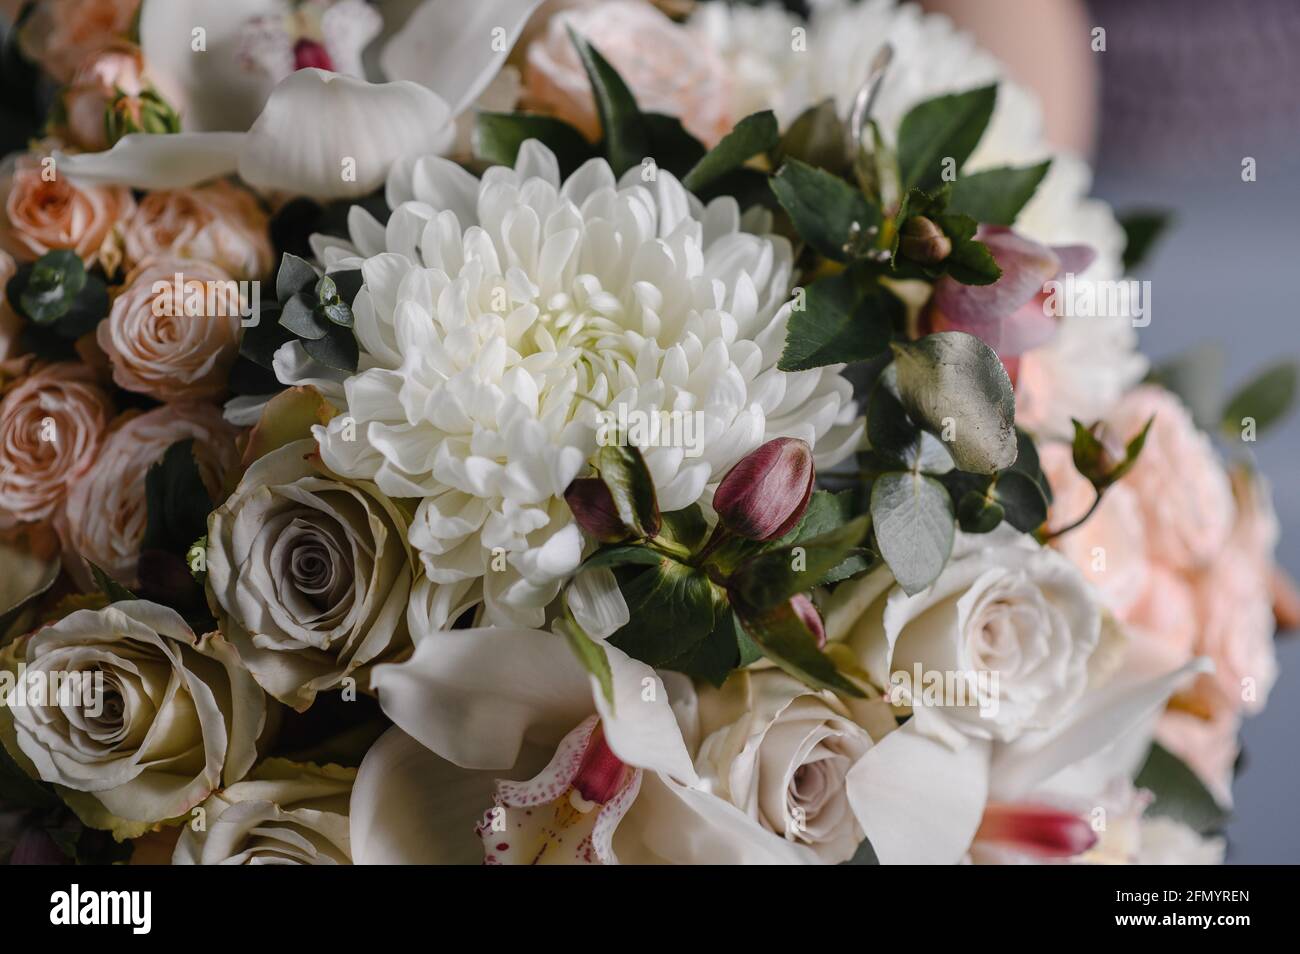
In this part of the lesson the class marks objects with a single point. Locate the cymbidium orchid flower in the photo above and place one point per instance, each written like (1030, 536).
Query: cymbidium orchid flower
(276, 90)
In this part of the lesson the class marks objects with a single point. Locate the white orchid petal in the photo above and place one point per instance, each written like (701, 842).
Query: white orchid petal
(474, 695)
(640, 726)
(148, 161)
(330, 136)
(210, 88)
(411, 807)
(917, 800)
(455, 47)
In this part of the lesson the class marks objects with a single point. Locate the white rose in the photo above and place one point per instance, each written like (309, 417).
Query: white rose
(1001, 640)
(283, 813)
(167, 718)
(781, 756)
(311, 574)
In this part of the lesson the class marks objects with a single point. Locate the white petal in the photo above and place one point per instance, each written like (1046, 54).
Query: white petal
(453, 47)
(148, 161)
(640, 726)
(597, 603)
(319, 126)
(917, 800)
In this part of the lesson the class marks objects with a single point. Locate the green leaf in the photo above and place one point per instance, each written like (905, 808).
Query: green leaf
(299, 317)
(840, 322)
(1096, 462)
(622, 555)
(624, 472)
(944, 127)
(295, 275)
(498, 136)
(669, 144)
(686, 527)
(865, 855)
(996, 196)
(828, 213)
(971, 263)
(716, 656)
(954, 386)
(913, 518)
(978, 512)
(337, 349)
(826, 512)
(626, 142)
(176, 500)
(817, 137)
(1021, 499)
(752, 135)
(591, 654)
(1179, 794)
(671, 608)
(1266, 400)
(114, 590)
(1141, 231)
(785, 640)
(51, 286)
(773, 576)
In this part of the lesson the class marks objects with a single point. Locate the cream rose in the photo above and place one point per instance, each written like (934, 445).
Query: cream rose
(44, 210)
(780, 752)
(106, 512)
(162, 719)
(668, 68)
(1182, 490)
(52, 423)
(999, 644)
(283, 813)
(218, 223)
(173, 339)
(311, 573)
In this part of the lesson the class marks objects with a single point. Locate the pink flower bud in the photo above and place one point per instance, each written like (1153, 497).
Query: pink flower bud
(602, 774)
(1038, 830)
(765, 495)
(308, 54)
(807, 613)
(593, 508)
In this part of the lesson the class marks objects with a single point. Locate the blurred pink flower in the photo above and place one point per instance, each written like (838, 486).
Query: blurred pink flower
(60, 34)
(118, 67)
(45, 210)
(218, 223)
(668, 69)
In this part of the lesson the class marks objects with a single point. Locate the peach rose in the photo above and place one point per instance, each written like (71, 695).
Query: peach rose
(1182, 490)
(106, 512)
(1165, 614)
(1110, 547)
(219, 223)
(44, 211)
(1235, 600)
(173, 340)
(118, 68)
(60, 34)
(668, 68)
(1207, 744)
(52, 423)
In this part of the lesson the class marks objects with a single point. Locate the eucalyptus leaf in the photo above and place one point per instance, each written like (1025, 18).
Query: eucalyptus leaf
(913, 519)
(954, 386)
(299, 317)
(336, 349)
(295, 275)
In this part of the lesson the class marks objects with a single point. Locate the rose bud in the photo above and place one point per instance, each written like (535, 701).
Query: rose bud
(593, 507)
(808, 615)
(765, 495)
(1038, 830)
(923, 241)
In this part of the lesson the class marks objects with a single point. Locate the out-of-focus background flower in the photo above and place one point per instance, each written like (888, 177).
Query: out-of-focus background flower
(1186, 90)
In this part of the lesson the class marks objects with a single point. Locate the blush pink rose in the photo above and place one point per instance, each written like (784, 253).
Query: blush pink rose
(60, 34)
(106, 513)
(1182, 490)
(52, 422)
(668, 68)
(219, 223)
(1110, 547)
(118, 68)
(1235, 602)
(44, 211)
(173, 339)
(1207, 743)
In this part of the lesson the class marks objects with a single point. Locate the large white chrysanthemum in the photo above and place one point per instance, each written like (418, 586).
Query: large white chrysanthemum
(780, 62)
(500, 317)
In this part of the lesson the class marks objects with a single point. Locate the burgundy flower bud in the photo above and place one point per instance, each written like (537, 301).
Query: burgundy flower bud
(807, 613)
(765, 495)
(593, 507)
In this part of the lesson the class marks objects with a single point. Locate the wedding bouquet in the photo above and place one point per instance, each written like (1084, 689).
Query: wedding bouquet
(582, 432)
